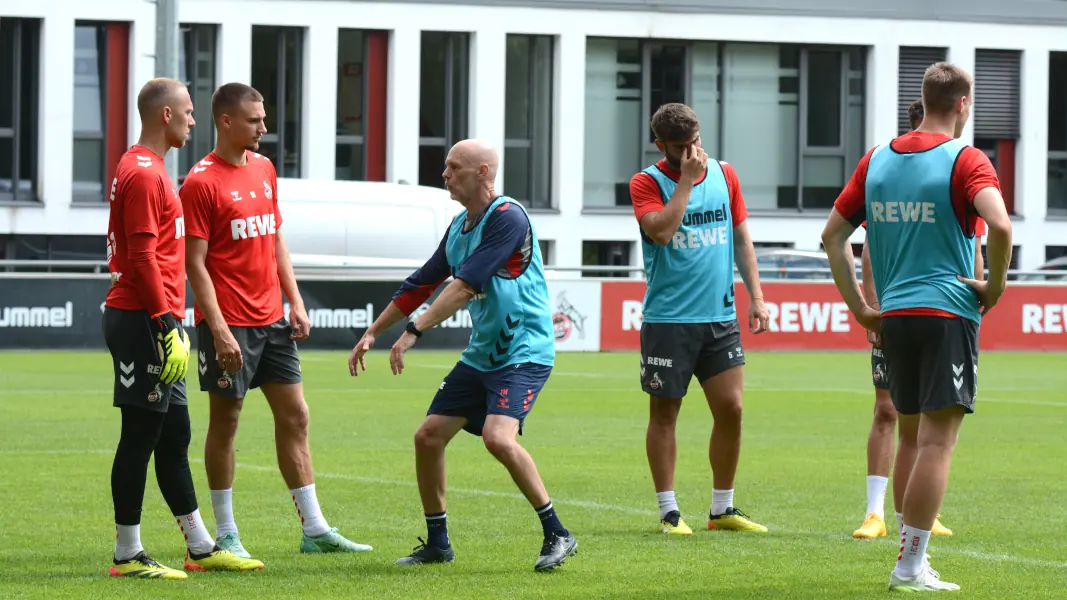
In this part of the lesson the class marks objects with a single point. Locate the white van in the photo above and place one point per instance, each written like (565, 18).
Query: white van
(339, 226)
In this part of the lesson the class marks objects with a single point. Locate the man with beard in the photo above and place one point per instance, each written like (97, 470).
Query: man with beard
(692, 220)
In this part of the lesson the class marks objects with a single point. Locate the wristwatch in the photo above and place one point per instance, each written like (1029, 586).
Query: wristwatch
(413, 330)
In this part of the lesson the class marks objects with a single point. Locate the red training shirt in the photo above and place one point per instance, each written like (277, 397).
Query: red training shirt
(236, 210)
(145, 245)
(971, 173)
(647, 197)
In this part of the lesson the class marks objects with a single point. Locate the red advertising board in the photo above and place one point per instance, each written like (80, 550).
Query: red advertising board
(812, 316)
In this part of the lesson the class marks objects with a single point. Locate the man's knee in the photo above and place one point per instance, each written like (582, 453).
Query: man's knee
(225, 415)
(663, 412)
(177, 433)
(885, 414)
(295, 419)
(498, 435)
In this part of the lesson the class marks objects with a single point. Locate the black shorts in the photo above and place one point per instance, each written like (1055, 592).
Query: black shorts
(932, 362)
(135, 360)
(879, 374)
(473, 394)
(672, 353)
(269, 357)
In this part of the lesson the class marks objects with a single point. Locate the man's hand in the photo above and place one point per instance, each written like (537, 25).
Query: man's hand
(988, 292)
(870, 318)
(396, 355)
(358, 352)
(227, 351)
(874, 339)
(694, 161)
(172, 344)
(758, 318)
(298, 319)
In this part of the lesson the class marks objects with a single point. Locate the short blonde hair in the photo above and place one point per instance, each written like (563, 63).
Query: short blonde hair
(943, 86)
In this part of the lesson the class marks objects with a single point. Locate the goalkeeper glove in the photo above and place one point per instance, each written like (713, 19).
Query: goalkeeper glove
(172, 343)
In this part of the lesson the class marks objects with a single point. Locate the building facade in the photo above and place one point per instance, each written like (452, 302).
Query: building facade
(380, 90)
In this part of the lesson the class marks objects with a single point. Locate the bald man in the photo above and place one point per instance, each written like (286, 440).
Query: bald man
(492, 254)
(149, 347)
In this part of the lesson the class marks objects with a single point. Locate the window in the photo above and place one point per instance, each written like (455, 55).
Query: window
(96, 91)
(912, 65)
(808, 102)
(528, 120)
(277, 72)
(19, 50)
(1057, 134)
(362, 67)
(196, 68)
(443, 85)
(996, 113)
(546, 252)
(54, 247)
(606, 254)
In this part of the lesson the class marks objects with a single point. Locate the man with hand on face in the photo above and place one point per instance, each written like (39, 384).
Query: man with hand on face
(692, 219)
(238, 267)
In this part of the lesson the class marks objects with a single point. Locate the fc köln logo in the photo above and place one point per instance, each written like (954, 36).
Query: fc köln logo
(267, 191)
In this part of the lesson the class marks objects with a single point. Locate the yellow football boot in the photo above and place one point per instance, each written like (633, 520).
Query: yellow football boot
(873, 527)
(734, 520)
(143, 567)
(939, 528)
(220, 560)
(672, 524)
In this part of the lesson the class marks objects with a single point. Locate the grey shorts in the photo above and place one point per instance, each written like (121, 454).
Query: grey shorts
(269, 357)
(672, 353)
(136, 364)
(932, 361)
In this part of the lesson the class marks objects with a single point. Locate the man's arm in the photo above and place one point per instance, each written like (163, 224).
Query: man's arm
(842, 261)
(747, 265)
(144, 197)
(200, 281)
(870, 294)
(979, 263)
(419, 286)
(990, 205)
(657, 220)
(847, 215)
(506, 231)
(285, 271)
(197, 200)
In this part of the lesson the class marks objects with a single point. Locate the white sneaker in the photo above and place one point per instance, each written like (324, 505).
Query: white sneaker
(928, 580)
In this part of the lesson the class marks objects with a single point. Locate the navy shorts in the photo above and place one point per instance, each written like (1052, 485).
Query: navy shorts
(473, 394)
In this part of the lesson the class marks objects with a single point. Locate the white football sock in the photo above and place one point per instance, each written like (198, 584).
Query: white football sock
(197, 539)
(222, 506)
(721, 500)
(307, 508)
(666, 502)
(912, 551)
(876, 486)
(127, 541)
(900, 524)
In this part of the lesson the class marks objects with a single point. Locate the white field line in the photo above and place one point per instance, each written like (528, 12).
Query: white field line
(587, 504)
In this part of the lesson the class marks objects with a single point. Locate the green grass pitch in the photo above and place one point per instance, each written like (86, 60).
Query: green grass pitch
(802, 474)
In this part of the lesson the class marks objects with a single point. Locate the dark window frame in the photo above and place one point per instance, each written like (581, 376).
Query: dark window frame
(25, 96)
(538, 117)
(279, 138)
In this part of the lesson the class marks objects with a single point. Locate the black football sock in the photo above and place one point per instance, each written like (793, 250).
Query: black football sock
(437, 531)
(549, 521)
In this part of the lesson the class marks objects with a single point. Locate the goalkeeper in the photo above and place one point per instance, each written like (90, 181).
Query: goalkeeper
(149, 348)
